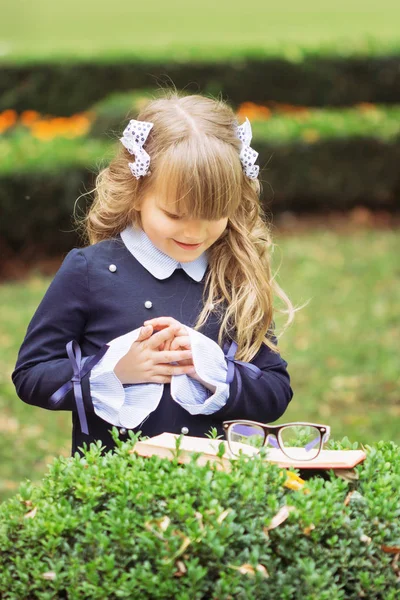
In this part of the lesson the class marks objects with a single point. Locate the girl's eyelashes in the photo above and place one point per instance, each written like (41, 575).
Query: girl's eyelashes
(175, 217)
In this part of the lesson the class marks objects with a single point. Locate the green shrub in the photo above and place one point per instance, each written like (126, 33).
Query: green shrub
(354, 157)
(116, 525)
(380, 122)
(293, 75)
(111, 114)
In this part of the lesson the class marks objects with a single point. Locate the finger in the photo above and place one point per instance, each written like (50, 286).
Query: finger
(182, 341)
(165, 357)
(161, 322)
(160, 326)
(166, 345)
(171, 370)
(183, 331)
(160, 379)
(145, 332)
(184, 363)
(162, 336)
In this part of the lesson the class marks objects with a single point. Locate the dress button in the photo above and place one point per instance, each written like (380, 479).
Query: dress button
(184, 430)
(112, 268)
(148, 304)
(122, 431)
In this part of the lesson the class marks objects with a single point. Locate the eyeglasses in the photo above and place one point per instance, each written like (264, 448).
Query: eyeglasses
(298, 441)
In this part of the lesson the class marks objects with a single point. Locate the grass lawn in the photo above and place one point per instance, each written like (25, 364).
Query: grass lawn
(189, 30)
(342, 349)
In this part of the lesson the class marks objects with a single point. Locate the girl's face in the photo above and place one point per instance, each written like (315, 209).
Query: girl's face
(165, 228)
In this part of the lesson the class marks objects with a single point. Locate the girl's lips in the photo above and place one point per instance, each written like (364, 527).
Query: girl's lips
(187, 246)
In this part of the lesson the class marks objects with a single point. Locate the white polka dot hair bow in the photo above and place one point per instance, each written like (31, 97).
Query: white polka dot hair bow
(134, 136)
(248, 156)
(136, 132)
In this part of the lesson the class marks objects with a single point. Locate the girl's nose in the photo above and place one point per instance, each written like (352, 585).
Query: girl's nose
(194, 232)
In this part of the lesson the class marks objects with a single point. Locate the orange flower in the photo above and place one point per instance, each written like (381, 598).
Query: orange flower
(255, 112)
(366, 107)
(70, 127)
(292, 109)
(79, 124)
(3, 125)
(10, 115)
(42, 130)
(28, 117)
(59, 124)
(8, 119)
(46, 128)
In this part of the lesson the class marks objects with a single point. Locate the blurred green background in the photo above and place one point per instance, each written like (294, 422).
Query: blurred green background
(88, 28)
(342, 348)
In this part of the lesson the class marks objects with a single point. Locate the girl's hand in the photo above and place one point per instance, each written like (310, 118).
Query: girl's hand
(146, 363)
(160, 323)
(180, 341)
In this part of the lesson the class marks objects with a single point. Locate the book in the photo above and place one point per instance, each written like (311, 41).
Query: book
(164, 445)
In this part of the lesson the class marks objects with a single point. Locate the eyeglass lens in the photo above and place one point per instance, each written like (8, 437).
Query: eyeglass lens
(244, 438)
(300, 442)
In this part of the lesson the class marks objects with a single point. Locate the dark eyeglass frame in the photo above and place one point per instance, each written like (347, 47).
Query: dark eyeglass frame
(275, 430)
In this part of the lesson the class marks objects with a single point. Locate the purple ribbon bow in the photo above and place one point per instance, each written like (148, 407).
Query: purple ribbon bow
(252, 370)
(79, 371)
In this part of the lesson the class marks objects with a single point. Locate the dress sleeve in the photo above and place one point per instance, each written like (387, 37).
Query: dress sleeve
(118, 404)
(43, 365)
(209, 362)
(260, 389)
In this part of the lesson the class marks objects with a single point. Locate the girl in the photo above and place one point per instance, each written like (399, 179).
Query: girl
(164, 321)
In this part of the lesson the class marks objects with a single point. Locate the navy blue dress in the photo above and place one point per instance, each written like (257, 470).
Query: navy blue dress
(88, 303)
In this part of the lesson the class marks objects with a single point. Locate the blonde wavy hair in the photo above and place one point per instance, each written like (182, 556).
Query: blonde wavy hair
(195, 167)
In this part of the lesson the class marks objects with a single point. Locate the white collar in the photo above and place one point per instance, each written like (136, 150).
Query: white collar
(159, 264)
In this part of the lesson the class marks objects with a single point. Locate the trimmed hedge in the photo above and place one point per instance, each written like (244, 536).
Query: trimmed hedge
(329, 175)
(279, 123)
(311, 161)
(116, 525)
(71, 86)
